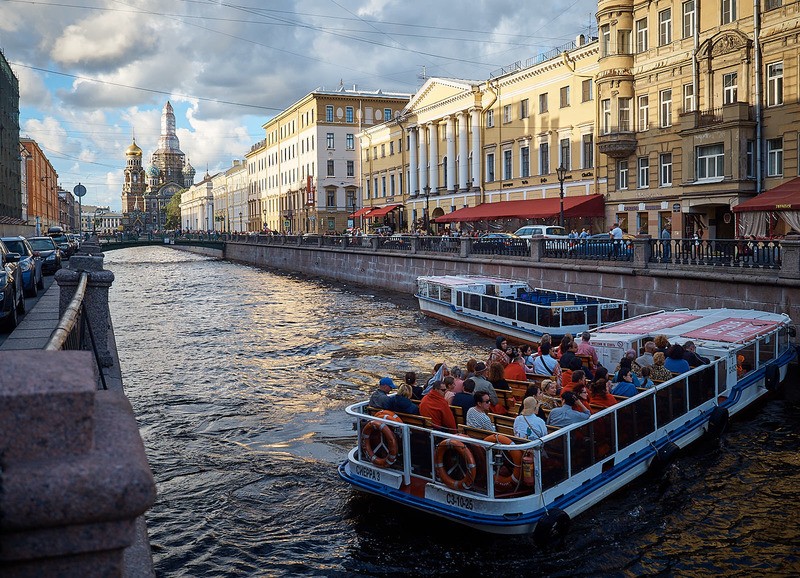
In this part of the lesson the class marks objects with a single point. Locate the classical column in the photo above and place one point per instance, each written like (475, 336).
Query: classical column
(423, 157)
(463, 153)
(450, 134)
(433, 156)
(413, 184)
(475, 115)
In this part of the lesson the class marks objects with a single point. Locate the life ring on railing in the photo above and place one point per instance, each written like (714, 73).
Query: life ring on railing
(503, 480)
(452, 454)
(379, 443)
(390, 415)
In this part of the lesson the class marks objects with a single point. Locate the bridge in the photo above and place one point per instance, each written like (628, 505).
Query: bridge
(111, 244)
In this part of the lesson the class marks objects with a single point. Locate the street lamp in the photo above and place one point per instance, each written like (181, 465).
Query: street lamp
(241, 230)
(561, 173)
(427, 190)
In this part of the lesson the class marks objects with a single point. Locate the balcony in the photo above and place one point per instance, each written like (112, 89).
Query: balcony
(734, 113)
(617, 142)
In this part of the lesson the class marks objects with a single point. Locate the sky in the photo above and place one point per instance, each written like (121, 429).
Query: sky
(95, 73)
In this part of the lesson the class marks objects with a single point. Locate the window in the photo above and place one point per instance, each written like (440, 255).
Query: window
(506, 113)
(728, 11)
(644, 113)
(351, 168)
(376, 187)
(330, 198)
(605, 40)
(564, 153)
(350, 142)
(688, 19)
(588, 151)
(586, 90)
(688, 98)
(329, 113)
(605, 111)
(387, 114)
(330, 168)
(729, 88)
(391, 185)
(773, 4)
(751, 165)
(391, 147)
(564, 93)
(710, 162)
(348, 114)
(383, 151)
(665, 108)
(489, 167)
(641, 35)
(329, 140)
(665, 27)
(624, 114)
(523, 108)
(489, 118)
(643, 164)
(623, 41)
(507, 164)
(622, 175)
(665, 169)
(544, 158)
(775, 157)
(374, 153)
(542, 103)
(525, 162)
(775, 84)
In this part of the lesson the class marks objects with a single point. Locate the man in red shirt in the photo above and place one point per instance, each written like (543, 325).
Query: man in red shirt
(516, 369)
(434, 406)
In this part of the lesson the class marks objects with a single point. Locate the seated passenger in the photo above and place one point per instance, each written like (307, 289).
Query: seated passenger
(515, 370)
(411, 381)
(550, 399)
(465, 399)
(434, 406)
(528, 424)
(624, 387)
(675, 362)
(500, 352)
(658, 372)
(496, 376)
(482, 384)
(571, 412)
(600, 395)
(646, 358)
(646, 381)
(546, 364)
(691, 357)
(662, 343)
(380, 397)
(401, 401)
(477, 416)
(585, 348)
(458, 379)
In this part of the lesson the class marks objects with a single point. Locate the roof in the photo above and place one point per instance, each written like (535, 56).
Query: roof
(584, 206)
(784, 197)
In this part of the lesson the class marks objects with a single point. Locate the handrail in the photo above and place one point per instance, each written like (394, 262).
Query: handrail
(70, 319)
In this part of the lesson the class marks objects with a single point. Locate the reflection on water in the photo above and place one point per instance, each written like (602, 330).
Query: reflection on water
(239, 376)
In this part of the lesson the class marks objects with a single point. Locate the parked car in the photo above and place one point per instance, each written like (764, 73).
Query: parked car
(13, 300)
(550, 231)
(30, 263)
(602, 246)
(499, 243)
(48, 251)
(62, 240)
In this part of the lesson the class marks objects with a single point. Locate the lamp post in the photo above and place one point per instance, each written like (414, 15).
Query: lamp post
(561, 173)
(241, 230)
(427, 190)
(264, 220)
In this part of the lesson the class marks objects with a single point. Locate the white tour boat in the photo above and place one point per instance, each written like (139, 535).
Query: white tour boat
(492, 484)
(499, 306)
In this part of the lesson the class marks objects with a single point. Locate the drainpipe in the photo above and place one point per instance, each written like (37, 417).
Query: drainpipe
(695, 65)
(483, 132)
(758, 96)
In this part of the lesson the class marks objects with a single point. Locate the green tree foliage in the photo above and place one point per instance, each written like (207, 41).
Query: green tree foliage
(174, 211)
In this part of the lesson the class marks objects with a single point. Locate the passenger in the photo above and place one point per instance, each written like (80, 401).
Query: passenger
(500, 352)
(528, 424)
(527, 353)
(411, 380)
(546, 338)
(546, 364)
(563, 347)
(566, 373)
(550, 399)
(470, 372)
(482, 385)
(465, 399)
(401, 401)
(533, 391)
(646, 381)
(646, 358)
(380, 397)
(675, 362)
(568, 354)
(477, 416)
(691, 357)
(571, 412)
(585, 348)
(495, 375)
(662, 343)
(434, 406)
(448, 383)
(458, 379)
(658, 372)
(578, 382)
(601, 373)
(601, 395)
(440, 371)
(627, 363)
(624, 386)
(516, 369)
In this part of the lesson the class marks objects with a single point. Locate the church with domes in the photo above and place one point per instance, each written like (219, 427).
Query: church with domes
(147, 190)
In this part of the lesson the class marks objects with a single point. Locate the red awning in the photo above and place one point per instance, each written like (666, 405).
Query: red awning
(785, 197)
(362, 212)
(382, 211)
(585, 206)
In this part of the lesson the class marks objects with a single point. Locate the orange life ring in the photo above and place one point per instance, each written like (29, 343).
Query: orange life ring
(390, 415)
(378, 438)
(503, 481)
(450, 454)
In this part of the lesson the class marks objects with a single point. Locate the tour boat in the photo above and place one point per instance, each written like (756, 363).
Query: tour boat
(488, 482)
(499, 306)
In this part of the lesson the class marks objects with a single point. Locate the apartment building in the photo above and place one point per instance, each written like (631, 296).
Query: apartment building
(42, 183)
(698, 113)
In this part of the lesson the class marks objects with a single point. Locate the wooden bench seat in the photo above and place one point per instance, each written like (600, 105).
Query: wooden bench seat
(458, 414)
(480, 434)
(408, 418)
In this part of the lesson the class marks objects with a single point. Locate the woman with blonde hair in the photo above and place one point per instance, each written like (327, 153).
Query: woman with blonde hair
(658, 372)
(549, 398)
(401, 401)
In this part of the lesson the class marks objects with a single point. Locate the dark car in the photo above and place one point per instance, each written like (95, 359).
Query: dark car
(500, 244)
(49, 253)
(64, 243)
(601, 246)
(30, 263)
(13, 300)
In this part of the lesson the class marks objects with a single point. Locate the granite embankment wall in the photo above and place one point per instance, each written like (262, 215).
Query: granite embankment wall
(646, 286)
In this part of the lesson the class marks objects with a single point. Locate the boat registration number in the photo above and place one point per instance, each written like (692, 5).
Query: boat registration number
(573, 308)
(609, 306)
(459, 501)
(368, 473)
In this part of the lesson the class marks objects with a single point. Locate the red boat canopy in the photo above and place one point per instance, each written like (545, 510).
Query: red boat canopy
(785, 197)
(585, 206)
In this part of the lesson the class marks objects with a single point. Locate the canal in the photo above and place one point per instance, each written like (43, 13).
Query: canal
(238, 378)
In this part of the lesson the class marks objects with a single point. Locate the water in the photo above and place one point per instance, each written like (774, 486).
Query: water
(239, 376)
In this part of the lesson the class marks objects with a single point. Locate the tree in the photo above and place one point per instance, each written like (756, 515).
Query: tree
(174, 211)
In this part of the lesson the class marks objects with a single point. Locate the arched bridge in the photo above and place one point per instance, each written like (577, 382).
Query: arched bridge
(112, 244)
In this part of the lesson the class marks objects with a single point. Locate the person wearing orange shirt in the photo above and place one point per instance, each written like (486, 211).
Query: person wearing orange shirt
(435, 406)
(516, 369)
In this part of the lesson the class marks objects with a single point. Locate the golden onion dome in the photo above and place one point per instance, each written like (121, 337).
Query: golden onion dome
(133, 150)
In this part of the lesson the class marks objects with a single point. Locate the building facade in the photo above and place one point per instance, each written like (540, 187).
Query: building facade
(10, 178)
(42, 182)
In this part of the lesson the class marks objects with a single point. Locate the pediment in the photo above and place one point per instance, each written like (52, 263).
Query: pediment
(436, 90)
(725, 42)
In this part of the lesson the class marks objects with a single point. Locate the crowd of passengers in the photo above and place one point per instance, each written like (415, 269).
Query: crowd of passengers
(576, 384)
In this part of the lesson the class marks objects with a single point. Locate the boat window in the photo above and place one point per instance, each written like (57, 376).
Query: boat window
(489, 305)
(459, 298)
(527, 313)
(783, 338)
(446, 295)
(701, 387)
(671, 402)
(570, 317)
(766, 348)
(554, 466)
(635, 420)
(745, 360)
(610, 312)
(472, 301)
(508, 309)
(722, 375)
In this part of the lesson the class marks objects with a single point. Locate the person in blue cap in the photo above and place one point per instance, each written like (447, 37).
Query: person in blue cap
(380, 397)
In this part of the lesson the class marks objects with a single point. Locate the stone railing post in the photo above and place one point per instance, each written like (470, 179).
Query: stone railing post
(464, 249)
(414, 245)
(790, 257)
(537, 248)
(95, 300)
(374, 243)
(641, 251)
(345, 241)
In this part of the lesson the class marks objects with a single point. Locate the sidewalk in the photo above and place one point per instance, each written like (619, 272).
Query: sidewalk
(36, 326)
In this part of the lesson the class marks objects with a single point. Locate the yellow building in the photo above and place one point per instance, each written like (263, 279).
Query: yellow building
(698, 112)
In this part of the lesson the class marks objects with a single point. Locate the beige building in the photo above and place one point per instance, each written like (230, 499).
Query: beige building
(698, 112)
(468, 154)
